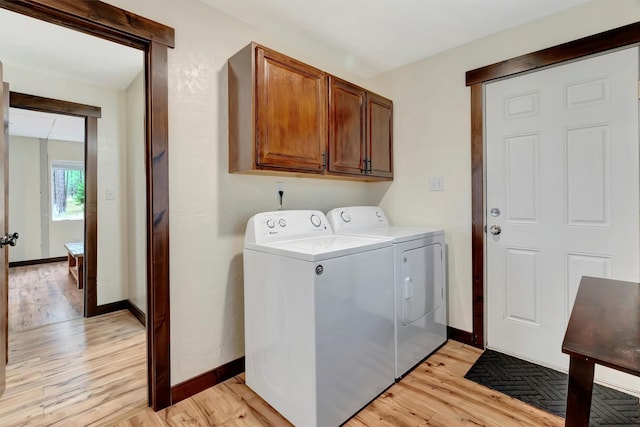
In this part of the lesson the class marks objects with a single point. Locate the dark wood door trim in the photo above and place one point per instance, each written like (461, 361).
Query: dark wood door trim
(111, 23)
(625, 36)
(96, 18)
(157, 159)
(90, 114)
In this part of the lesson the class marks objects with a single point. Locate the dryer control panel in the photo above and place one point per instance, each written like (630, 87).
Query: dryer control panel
(354, 218)
(284, 225)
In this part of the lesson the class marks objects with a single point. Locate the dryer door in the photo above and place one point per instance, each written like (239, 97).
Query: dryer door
(421, 286)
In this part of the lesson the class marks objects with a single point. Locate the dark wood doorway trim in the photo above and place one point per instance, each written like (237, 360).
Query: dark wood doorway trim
(613, 39)
(112, 23)
(91, 115)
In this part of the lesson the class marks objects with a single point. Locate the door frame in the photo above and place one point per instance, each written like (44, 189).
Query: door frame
(617, 38)
(90, 114)
(154, 39)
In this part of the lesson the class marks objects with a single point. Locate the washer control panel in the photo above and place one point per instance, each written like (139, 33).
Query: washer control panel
(283, 225)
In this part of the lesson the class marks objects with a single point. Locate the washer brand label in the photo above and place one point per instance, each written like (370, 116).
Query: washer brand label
(319, 270)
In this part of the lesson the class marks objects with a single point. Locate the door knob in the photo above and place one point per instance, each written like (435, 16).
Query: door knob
(9, 239)
(495, 230)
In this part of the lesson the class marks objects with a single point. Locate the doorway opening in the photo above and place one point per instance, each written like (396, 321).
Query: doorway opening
(154, 39)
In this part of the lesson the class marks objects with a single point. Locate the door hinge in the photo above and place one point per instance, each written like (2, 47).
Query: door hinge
(324, 160)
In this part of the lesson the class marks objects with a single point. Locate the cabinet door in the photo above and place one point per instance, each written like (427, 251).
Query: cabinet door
(346, 127)
(380, 135)
(291, 113)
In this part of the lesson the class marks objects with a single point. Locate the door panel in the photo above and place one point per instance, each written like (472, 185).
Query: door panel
(380, 135)
(4, 213)
(562, 168)
(346, 127)
(422, 289)
(291, 113)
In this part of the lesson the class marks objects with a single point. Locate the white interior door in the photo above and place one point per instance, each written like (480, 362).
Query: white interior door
(562, 169)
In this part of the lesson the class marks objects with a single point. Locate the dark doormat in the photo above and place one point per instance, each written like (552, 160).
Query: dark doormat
(547, 389)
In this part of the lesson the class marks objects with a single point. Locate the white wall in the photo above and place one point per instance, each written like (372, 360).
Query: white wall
(136, 194)
(209, 207)
(432, 129)
(24, 198)
(61, 232)
(112, 225)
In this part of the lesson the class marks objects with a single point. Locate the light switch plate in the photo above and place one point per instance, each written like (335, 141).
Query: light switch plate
(436, 183)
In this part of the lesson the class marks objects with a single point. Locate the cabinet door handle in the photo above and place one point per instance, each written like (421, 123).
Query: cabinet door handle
(324, 160)
(370, 170)
(367, 166)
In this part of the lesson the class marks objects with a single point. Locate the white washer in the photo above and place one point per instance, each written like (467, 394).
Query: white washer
(419, 280)
(319, 335)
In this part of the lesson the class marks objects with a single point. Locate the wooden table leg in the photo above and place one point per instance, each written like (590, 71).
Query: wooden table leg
(579, 393)
(80, 263)
(71, 262)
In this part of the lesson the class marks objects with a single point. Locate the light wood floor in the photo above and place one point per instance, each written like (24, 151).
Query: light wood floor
(42, 294)
(81, 372)
(435, 394)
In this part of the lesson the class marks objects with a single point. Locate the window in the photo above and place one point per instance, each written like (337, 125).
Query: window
(67, 191)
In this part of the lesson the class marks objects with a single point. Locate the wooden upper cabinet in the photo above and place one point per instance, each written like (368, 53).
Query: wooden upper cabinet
(347, 124)
(291, 113)
(379, 136)
(286, 116)
(277, 113)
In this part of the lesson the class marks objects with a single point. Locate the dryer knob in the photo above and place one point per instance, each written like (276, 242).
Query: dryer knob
(271, 223)
(345, 216)
(379, 214)
(282, 222)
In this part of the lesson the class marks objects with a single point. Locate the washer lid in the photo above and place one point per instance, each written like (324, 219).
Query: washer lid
(399, 234)
(321, 248)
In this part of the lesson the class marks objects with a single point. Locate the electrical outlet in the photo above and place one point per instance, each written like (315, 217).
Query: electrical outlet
(436, 183)
(279, 188)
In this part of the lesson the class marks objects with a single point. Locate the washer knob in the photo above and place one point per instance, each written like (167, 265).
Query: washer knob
(271, 223)
(315, 220)
(379, 214)
(345, 216)
(282, 222)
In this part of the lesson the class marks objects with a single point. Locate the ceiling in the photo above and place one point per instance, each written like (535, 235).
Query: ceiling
(374, 36)
(34, 124)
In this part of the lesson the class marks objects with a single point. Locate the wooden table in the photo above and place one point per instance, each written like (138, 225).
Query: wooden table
(75, 259)
(604, 328)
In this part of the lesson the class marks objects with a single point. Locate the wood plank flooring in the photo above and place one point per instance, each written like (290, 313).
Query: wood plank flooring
(434, 394)
(81, 372)
(41, 294)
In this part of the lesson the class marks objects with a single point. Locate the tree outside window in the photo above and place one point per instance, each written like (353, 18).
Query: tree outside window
(67, 191)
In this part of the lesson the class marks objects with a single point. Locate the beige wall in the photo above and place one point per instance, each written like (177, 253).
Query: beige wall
(24, 197)
(136, 195)
(432, 129)
(25, 208)
(209, 207)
